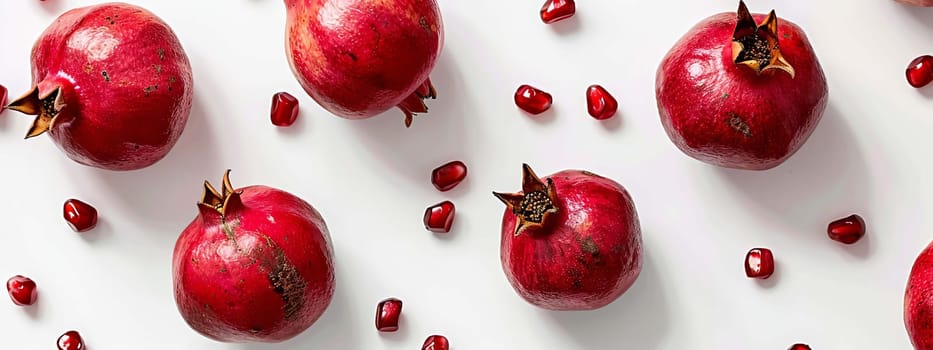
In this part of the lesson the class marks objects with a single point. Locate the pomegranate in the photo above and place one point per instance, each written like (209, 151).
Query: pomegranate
(284, 109)
(447, 176)
(111, 85)
(79, 215)
(532, 100)
(388, 313)
(439, 218)
(557, 10)
(3, 94)
(916, 2)
(70, 340)
(739, 94)
(359, 58)
(918, 301)
(759, 263)
(799, 346)
(22, 290)
(920, 71)
(571, 241)
(436, 342)
(600, 103)
(254, 266)
(847, 230)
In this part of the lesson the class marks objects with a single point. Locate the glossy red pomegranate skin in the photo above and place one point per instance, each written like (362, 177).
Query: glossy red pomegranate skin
(918, 301)
(359, 58)
(727, 114)
(125, 81)
(263, 273)
(585, 256)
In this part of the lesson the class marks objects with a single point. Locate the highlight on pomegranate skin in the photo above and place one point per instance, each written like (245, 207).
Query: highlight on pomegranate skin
(22, 290)
(284, 109)
(759, 263)
(741, 90)
(557, 10)
(70, 340)
(532, 100)
(111, 85)
(591, 220)
(359, 58)
(388, 312)
(920, 71)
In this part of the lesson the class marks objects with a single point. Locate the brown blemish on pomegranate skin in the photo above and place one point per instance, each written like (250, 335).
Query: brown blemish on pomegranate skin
(736, 122)
(287, 282)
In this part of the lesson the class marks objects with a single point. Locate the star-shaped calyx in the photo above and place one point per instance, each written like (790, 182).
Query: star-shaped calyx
(223, 202)
(414, 103)
(45, 108)
(535, 204)
(757, 46)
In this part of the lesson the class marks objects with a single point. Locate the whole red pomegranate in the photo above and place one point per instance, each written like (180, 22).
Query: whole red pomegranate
(112, 86)
(918, 301)
(916, 2)
(359, 58)
(570, 242)
(255, 266)
(739, 94)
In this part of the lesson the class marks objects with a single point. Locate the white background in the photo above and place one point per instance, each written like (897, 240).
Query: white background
(370, 179)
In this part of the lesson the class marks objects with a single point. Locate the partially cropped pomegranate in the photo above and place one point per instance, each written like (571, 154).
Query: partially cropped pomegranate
(571, 241)
(741, 91)
(254, 266)
(918, 301)
(916, 2)
(359, 58)
(111, 85)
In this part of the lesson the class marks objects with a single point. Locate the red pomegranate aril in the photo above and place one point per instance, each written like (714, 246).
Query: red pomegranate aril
(387, 314)
(3, 95)
(81, 216)
(759, 263)
(22, 290)
(600, 103)
(436, 342)
(284, 109)
(847, 230)
(557, 10)
(448, 176)
(439, 217)
(71, 340)
(799, 347)
(532, 100)
(920, 71)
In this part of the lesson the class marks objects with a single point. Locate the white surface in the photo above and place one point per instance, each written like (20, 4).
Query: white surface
(370, 179)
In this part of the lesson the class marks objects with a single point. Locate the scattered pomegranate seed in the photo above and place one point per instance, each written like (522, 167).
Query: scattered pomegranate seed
(557, 10)
(759, 263)
(600, 103)
(532, 100)
(439, 217)
(284, 109)
(71, 340)
(22, 290)
(81, 216)
(387, 315)
(920, 71)
(799, 347)
(436, 342)
(448, 176)
(847, 230)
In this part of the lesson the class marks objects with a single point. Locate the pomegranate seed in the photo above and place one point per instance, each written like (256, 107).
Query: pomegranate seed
(920, 71)
(532, 100)
(759, 263)
(71, 340)
(3, 95)
(557, 10)
(799, 347)
(436, 342)
(847, 230)
(448, 176)
(22, 290)
(600, 103)
(81, 216)
(439, 217)
(284, 109)
(387, 315)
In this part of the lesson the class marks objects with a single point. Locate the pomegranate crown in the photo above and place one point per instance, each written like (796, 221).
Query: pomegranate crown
(534, 204)
(220, 202)
(45, 108)
(756, 45)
